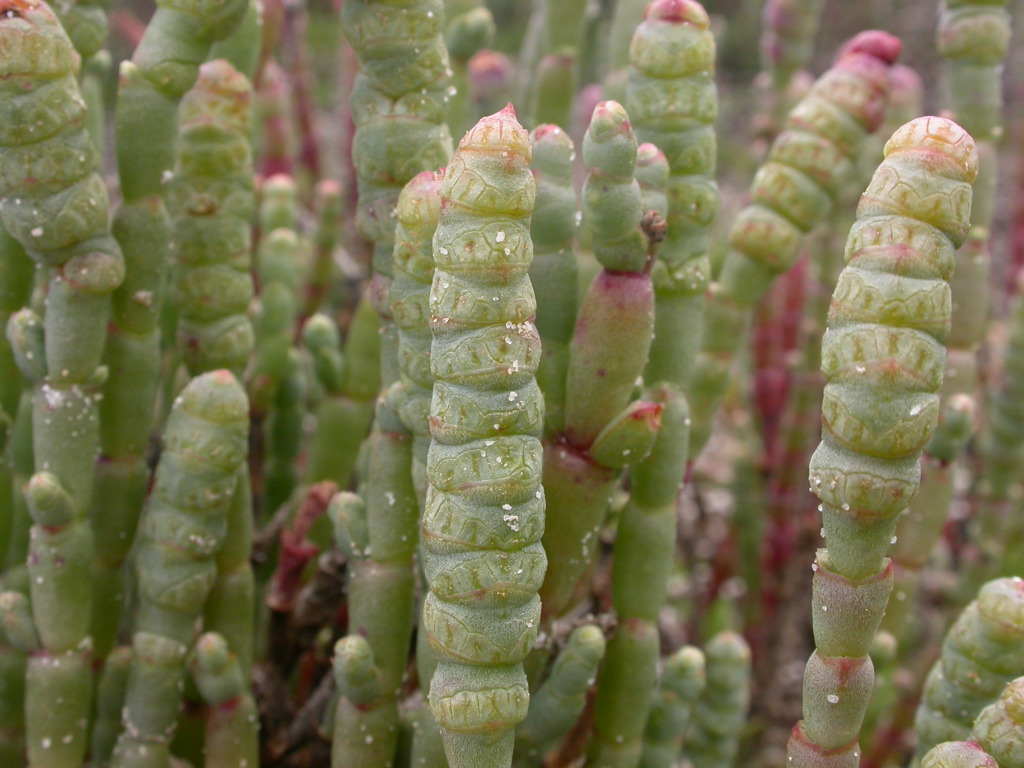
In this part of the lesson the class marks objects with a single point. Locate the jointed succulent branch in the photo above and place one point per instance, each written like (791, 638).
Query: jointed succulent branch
(792, 193)
(981, 653)
(604, 429)
(883, 359)
(673, 103)
(485, 507)
(183, 530)
(55, 204)
(211, 200)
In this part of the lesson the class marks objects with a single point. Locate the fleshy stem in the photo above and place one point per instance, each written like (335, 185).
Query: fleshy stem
(557, 704)
(974, 38)
(958, 754)
(1001, 446)
(604, 429)
(399, 103)
(719, 715)
(682, 682)
(274, 379)
(673, 103)
(55, 204)
(645, 541)
(484, 515)
(883, 358)
(999, 729)
(982, 652)
(182, 531)
(644, 552)
(211, 199)
(553, 273)
(382, 571)
(419, 206)
(164, 65)
(232, 723)
(792, 193)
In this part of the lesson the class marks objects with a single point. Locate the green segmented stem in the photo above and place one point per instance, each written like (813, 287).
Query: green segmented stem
(974, 39)
(792, 193)
(358, 717)
(183, 531)
(606, 356)
(55, 204)
(682, 682)
(232, 723)
(673, 104)
(553, 273)
(557, 704)
(644, 552)
(485, 507)
(419, 206)
(644, 545)
(982, 652)
(275, 379)
(918, 528)
(230, 607)
(344, 415)
(211, 200)
(276, 314)
(163, 67)
(381, 594)
(713, 739)
(381, 585)
(399, 104)
(883, 359)
(110, 693)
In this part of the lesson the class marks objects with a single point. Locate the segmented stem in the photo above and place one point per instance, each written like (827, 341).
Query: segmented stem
(55, 204)
(212, 200)
(485, 507)
(183, 531)
(791, 194)
(883, 358)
